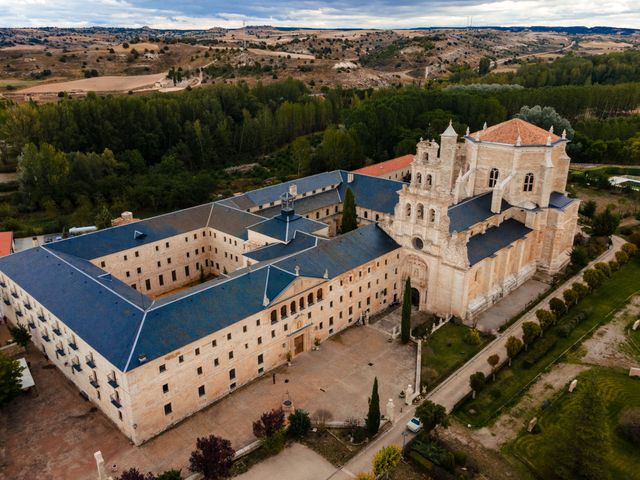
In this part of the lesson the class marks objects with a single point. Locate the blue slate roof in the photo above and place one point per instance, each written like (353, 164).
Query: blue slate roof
(304, 205)
(559, 200)
(494, 239)
(283, 227)
(93, 309)
(341, 253)
(301, 241)
(375, 193)
(471, 211)
(175, 323)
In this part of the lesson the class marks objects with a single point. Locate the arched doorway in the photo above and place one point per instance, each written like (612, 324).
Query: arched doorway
(415, 297)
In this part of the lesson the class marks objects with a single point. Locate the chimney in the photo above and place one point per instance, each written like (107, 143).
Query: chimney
(293, 189)
(127, 216)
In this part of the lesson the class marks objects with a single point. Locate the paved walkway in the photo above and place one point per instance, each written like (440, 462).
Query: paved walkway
(456, 387)
(294, 463)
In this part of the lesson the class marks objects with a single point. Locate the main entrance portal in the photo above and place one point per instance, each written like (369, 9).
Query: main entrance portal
(415, 297)
(298, 344)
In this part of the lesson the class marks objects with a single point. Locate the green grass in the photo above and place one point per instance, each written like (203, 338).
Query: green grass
(619, 391)
(510, 383)
(633, 343)
(445, 351)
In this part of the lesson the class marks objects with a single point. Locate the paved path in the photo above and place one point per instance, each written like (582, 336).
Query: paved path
(294, 463)
(456, 387)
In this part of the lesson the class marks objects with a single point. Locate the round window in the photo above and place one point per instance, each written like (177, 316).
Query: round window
(418, 243)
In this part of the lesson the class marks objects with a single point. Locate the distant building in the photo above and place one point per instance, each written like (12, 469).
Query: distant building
(395, 169)
(132, 317)
(123, 219)
(6, 243)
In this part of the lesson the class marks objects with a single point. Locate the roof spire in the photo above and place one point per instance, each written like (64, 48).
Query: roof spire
(518, 141)
(484, 126)
(549, 140)
(551, 129)
(564, 134)
(297, 270)
(467, 134)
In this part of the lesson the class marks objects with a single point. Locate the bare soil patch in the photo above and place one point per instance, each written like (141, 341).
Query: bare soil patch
(99, 84)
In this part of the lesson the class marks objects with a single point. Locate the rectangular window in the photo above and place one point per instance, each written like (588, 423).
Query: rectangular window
(214, 343)
(167, 409)
(137, 254)
(273, 334)
(139, 270)
(147, 283)
(228, 336)
(259, 340)
(232, 374)
(197, 351)
(169, 261)
(162, 368)
(174, 277)
(257, 322)
(231, 355)
(186, 270)
(244, 329)
(158, 263)
(260, 358)
(161, 280)
(199, 370)
(165, 388)
(103, 264)
(181, 359)
(201, 391)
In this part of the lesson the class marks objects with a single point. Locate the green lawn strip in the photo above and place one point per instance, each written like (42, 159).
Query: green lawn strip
(510, 383)
(446, 351)
(619, 391)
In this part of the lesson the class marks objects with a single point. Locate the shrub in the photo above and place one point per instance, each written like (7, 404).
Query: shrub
(422, 462)
(472, 337)
(635, 239)
(135, 474)
(530, 331)
(614, 266)
(564, 330)
(269, 423)
(629, 425)
(581, 289)
(570, 298)
(630, 249)
(539, 350)
(275, 442)
(604, 268)
(170, 475)
(594, 277)
(212, 458)
(460, 457)
(622, 257)
(299, 423)
(558, 307)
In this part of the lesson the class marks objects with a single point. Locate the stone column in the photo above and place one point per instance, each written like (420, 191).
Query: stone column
(102, 474)
(390, 410)
(408, 395)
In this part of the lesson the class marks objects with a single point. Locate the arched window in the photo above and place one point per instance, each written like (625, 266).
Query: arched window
(408, 210)
(432, 215)
(493, 177)
(528, 182)
(292, 307)
(419, 178)
(319, 295)
(420, 211)
(429, 182)
(310, 299)
(274, 316)
(301, 303)
(283, 311)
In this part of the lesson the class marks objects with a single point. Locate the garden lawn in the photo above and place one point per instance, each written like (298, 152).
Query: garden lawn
(510, 383)
(445, 351)
(619, 392)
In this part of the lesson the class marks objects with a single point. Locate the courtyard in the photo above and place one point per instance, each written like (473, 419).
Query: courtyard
(65, 430)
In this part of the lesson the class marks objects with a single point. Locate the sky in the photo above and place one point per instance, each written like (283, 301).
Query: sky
(204, 14)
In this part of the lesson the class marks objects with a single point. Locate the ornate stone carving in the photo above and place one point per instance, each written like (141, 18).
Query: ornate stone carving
(455, 251)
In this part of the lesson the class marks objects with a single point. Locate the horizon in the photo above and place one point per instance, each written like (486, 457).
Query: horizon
(315, 14)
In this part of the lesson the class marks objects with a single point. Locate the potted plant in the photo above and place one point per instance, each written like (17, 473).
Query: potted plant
(316, 343)
(289, 357)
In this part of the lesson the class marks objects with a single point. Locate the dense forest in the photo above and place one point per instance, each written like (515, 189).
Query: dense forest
(82, 161)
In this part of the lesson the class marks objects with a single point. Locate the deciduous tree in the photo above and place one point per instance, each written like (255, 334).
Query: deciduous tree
(269, 423)
(476, 382)
(514, 345)
(212, 457)
(557, 306)
(385, 460)
(431, 415)
(530, 331)
(493, 360)
(10, 375)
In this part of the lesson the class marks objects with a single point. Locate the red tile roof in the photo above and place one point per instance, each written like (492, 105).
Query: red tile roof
(382, 168)
(509, 131)
(6, 242)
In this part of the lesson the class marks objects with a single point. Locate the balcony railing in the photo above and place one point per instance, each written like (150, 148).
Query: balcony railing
(116, 401)
(94, 383)
(113, 382)
(77, 367)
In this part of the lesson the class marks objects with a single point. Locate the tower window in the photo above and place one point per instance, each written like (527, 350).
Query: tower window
(419, 178)
(432, 215)
(429, 181)
(493, 177)
(528, 182)
(408, 208)
(420, 211)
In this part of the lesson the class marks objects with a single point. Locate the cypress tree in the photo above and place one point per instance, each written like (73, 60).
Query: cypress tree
(349, 219)
(405, 325)
(373, 415)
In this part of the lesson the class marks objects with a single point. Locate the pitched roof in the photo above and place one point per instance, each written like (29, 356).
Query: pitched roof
(508, 133)
(382, 168)
(471, 211)
(559, 200)
(283, 227)
(495, 239)
(301, 241)
(379, 194)
(6, 243)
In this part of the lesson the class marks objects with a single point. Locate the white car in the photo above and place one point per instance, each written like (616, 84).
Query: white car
(414, 425)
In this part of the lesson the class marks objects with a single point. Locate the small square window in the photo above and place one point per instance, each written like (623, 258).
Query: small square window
(273, 334)
(197, 351)
(103, 264)
(201, 391)
(165, 388)
(199, 370)
(232, 374)
(244, 329)
(181, 359)
(232, 386)
(257, 322)
(167, 409)
(231, 355)
(260, 358)
(228, 336)
(162, 368)
(259, 340)
(216, 362)
(137, 254)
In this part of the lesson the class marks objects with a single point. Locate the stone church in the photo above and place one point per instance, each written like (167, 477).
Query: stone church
(480, 218)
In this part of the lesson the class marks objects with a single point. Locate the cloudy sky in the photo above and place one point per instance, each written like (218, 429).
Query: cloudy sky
(185, 14)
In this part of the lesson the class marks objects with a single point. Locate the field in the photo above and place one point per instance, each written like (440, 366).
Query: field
(99, 84)
(619, 391)
(445, 351)
(511, 382)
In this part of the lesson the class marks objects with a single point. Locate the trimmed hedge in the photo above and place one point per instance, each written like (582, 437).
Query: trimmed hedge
(565, 329)
(539, 350)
